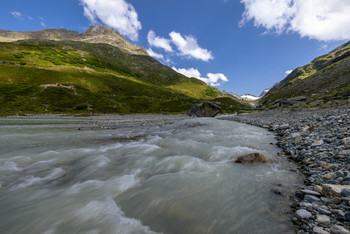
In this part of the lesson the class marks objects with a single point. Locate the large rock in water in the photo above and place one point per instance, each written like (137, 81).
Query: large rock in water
(205, 109)
(252, 158)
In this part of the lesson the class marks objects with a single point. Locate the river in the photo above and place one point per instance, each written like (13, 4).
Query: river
(116, 175)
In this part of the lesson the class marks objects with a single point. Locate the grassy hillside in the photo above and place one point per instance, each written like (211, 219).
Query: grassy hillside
(78, 77)
(325, 78)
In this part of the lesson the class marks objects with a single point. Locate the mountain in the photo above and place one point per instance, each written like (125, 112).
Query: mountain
(98, 71)
(249, 97)
(263, 93)
(231, 94)
(95, 34)
(326, 80)
(246, 97)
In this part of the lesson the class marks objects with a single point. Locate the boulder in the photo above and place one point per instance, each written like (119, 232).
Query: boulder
(252, 158)
(333, 190)
(204, 109)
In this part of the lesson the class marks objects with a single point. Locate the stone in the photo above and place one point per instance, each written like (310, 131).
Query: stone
(297, 99)
(318, 188)
(323, 220)
(283, 127)
(204, 109)
(311, 199)
(318, 143)
(252, 158)
(302, 214)
(347, 216)
(329, 176)
(346, 141)
(324, 211)
(295, 134)
(333, 190)
(345, 193)
(319, 230)
(310, 192)
(336, 229)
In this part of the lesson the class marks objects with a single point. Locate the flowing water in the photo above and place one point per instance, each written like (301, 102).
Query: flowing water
(157, 176)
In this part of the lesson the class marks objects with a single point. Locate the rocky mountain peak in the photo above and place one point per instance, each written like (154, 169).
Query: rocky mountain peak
(104, 34)
(100, 30)
(95, 34)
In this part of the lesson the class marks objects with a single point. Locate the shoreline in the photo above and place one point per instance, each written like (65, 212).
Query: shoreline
(318, 141)
(315, 139)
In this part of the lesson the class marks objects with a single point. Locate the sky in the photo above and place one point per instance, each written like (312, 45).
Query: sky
(241, 46)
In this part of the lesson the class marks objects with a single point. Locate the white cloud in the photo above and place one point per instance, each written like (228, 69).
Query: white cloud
(16, 14)
(43, 24)
(188, 46)
(117, 14)
(154, 54)
(159, 42)
(322, 20)
(213, 79)
(288, 72)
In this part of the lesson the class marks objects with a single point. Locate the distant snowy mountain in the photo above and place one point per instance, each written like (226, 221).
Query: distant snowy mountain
(249, 97)
(264, 92)
(231, 94)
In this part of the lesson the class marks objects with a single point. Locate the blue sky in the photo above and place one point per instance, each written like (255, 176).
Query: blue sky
(243, 46)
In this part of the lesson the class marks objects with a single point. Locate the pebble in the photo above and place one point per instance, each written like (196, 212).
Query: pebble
(336, 229)
(310, 192)
(303, 214)
(318, 141)
(319, 230)
(323, 220)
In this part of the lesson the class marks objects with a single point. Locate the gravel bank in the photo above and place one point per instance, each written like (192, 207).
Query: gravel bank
(318, 140)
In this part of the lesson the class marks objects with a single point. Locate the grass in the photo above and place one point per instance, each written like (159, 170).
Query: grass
(104, 80)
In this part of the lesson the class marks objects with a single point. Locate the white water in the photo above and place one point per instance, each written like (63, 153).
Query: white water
(145, 177)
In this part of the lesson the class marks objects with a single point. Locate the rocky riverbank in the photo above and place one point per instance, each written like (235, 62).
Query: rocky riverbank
(318, 140)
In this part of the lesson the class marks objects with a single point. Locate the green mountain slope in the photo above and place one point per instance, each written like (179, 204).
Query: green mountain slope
(326, 78)
(46, 76)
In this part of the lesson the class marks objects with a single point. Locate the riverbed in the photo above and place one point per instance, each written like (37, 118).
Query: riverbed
(141, 175)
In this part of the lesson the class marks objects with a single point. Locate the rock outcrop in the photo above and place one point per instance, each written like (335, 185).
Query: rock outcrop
(204, 109)
(252, 158)
(95, 34)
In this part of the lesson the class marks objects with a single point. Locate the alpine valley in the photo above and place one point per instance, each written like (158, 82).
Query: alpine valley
(98, 71)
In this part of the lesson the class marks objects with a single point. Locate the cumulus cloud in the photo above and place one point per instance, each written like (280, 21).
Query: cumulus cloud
(117, 14)
(154, 54)
(288, 72)
(322, 20)
(188, 46)
(159, 42)
(213, 79)
(16, 14)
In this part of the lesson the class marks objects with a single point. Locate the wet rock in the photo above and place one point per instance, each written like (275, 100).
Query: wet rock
(252, 158)
(336, 229)
(302, 214)
(205, 109)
